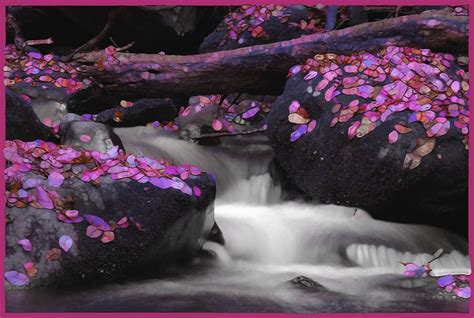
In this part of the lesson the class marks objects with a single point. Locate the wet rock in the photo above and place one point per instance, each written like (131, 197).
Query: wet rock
(415, 175)
(22, 122)
(162, 226)
(215, 235)
(89, 135)
(69, 117)
(304, 282)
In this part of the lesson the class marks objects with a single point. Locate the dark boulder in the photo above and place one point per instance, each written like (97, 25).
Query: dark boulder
(21, 120)
(138, 226)
(410, 166)
(142, 112)
(91, 100)
(252, 25)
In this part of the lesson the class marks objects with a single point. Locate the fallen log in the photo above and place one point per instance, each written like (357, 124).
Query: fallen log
(262, 69)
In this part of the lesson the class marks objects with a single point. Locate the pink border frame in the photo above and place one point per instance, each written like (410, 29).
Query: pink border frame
(216, 2)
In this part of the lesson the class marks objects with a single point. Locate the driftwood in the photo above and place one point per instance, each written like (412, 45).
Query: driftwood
(262, 69)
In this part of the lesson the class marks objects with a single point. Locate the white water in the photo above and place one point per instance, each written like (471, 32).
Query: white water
(262, 230)
(269, 242)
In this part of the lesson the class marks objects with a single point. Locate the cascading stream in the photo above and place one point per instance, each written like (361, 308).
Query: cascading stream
(268, 243)
(260, 228)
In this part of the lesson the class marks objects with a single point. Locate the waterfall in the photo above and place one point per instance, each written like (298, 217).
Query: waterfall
(260, 228)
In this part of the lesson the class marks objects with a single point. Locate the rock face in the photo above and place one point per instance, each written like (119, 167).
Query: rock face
(384, 132)
(252, 25)
(21, 121)
(85, 228)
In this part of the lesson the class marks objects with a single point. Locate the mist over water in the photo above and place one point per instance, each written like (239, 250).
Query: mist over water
(267, 243)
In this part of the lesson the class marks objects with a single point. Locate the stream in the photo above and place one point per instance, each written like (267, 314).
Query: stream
(269, 242)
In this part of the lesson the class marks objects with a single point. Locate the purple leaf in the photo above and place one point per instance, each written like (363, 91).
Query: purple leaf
(445, 281)
(463, 292)
(55, 179)
(163, 183)
(251, 112)
(31, 183)
(65, 242)
(295, 136)
(17, 279)
(97, 222)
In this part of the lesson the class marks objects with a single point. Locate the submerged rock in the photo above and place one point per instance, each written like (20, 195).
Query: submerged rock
(384, 132)
(307, 283)
(79, 218)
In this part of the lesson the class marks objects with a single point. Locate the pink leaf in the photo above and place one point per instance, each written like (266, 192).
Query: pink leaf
(26, 244)
(85, 138)
(393, 137)
(93, 232)
(123, 222)
(217, 125)
(197, 191)
(43, 198)
(294, 106)
(108, 237)
(351, 132)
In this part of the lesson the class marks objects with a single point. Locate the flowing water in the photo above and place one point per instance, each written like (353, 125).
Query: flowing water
(268, 242)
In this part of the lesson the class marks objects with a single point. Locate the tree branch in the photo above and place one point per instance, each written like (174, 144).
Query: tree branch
(92, 43)
(230, 134)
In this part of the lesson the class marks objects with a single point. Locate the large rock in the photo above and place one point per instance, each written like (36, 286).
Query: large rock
(252, 25)
(356, 157)
(21, 120)
(89, 135)
(163, 225)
